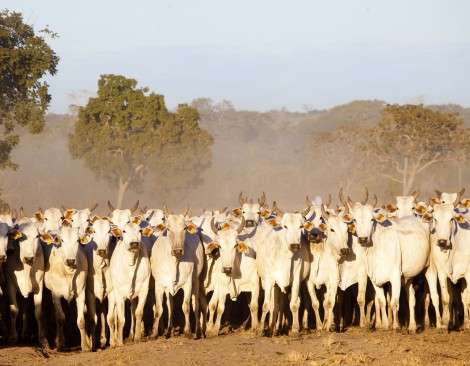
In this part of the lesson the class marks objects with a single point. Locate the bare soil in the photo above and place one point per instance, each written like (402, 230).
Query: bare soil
(353, 347)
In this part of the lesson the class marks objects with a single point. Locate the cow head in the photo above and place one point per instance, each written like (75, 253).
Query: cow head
(250, 210)
(441, 227)
(120, 217)
(292, 225)
(100, 233)
(363, 216)
(131, 240)
(450, 198)
(406, 205)
(226, 240)
(27, 237)
(68, 245)
(4, 230)
(49, 220)
(176, 228)
(154, 217)
(336, 230)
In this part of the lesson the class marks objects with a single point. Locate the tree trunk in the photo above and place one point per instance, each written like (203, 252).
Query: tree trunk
(122, 189)
(459, 176)
(405, 188)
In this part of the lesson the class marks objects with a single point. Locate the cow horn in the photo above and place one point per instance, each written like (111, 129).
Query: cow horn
(187, 212)
(276, 209)
(213, 227)
(94, 207)
(329, 200)
(366, 198)
(262, 200)
(438, 192)
(375, 201)
(460, 195)
(110, 206)
(241, 226)
(21, 212)
(324, 212)
(165, 210)
(350, 202)
(241, 199)
(223, 210)
(415, 194)
(307, 201)
(63, 208)
(346, 209)
(341, 197)
(136, 206)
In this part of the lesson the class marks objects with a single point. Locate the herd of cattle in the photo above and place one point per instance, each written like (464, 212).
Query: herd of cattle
(285, 257)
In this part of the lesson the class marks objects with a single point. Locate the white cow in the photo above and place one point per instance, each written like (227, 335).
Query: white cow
(450, 198)
(130, 276)
(415, 251)
(66, 277)
(451, 254)
(326, 251)
(236, 273)
(25, 274)
(99, 282)
(177, 262)
(50, 220)
(282, 260)
(383, 258)
(121, 217)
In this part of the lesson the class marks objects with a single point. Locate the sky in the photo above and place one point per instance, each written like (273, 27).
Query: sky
(261, 54)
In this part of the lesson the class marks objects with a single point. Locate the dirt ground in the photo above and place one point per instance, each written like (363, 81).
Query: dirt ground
(353, 347)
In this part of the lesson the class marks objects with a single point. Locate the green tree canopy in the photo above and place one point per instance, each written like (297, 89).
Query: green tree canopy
(126, 133)
(25, 59)
(411, 138)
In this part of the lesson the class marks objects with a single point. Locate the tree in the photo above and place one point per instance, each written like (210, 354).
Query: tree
(410, 139)
(126, 132)
(25, 59)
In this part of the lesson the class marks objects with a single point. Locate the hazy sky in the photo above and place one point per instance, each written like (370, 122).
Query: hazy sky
(262, 54)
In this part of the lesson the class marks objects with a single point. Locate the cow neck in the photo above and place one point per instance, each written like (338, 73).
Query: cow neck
(249, 235)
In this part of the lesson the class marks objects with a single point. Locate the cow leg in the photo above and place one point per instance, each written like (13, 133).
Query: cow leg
(294, 307)
(466, 302)
(280, 316)
(222, 295)
(59, 319)
(411, 305)
(315, 304)
(133, 309)
(213, 303)
(169, 304)
(103, 325)
(112, 320)
(81, 321)
(37, 299)
(13, 313)
(431, 279)
(445, 298)
(361, 300)
(274, 301)
(203, 309)
(380, 308)
(328, 306)
(187, 308)
(254, 306)
(91, 311)
(25, 325)
(268, 289)
(395, 300)
(139, 312)
(196, 310)
(120, 321)
(158, 310)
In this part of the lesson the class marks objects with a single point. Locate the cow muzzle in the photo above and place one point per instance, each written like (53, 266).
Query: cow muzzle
(72, 263)
(227, 270)
(363, 240)
(345, 252)
(28, 260)
(3, 258)
(134, 246)
(315, 237)
(294, 247)
(214, 253)
(250, 223)
(178, 253)
(101, 252)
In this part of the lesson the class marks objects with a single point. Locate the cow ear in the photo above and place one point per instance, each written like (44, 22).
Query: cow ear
(274, 223)
(39, 216)
(308, 225)
(380, 218)
(161, 227)
(136, 219)
(117, 233)
(16, 234)
(352, 228)
(237, 212)
(242, 247)
(66, 222)
(191, 228)
(148, 231)
(85, 239)
(459, 218)
(47, 238)
(323, 227)
(90, 230)
(225, 226)
(68, 214)
(265, 213)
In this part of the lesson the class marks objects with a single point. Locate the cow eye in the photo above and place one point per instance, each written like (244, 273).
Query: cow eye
(285, 226)
(332, 230)
(259, 212)
(45, 218)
